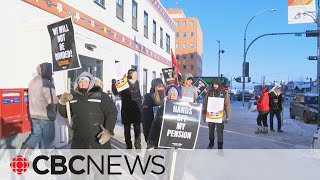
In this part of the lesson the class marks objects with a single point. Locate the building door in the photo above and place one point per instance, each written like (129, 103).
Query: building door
(89, 64)
(145, 81)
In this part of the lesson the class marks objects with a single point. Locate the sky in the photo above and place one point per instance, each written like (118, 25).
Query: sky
(277, 58)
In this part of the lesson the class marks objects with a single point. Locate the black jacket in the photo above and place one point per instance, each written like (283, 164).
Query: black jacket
(155, 130)
(88, 111)
(147, 112)
(131, 104)
(275, 102)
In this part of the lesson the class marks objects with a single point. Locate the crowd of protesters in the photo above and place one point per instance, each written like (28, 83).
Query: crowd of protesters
(94, 114)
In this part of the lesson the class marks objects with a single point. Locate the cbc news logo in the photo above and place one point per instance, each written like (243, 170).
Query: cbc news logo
(19, 164)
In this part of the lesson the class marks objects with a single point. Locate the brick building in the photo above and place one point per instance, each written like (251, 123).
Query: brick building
(188, 42)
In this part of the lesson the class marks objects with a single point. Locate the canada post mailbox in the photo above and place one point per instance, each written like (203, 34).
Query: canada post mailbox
(12, 113)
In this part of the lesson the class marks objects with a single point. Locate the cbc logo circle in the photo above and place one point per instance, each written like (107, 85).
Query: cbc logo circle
(19, 164)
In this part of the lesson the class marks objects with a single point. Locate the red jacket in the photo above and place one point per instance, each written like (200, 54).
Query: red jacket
(263, 101)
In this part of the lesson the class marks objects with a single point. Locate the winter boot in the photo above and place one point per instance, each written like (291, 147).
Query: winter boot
(265, 130)
(271, 129)
(280, 131)
(220, 145)
(211, 144)
(137, 145)
(129, 145)
(259, 130)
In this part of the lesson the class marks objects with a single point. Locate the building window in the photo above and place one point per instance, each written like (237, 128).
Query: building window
(184, 56)
(146, 24)
(191, 67)
(177, 45)
(184, 67)
(191, 23)
(120, 9)
(145, 81)
(134, 15)
(154, 34)
(177, 24)
(177, 34)
(168, 43)
(192, 34)
(184, 34)
(192, 45)
(161, 37)
(154, 75)
(184, 45)
(184, 23)
(191, 56)
(100, 3)
(177, 56)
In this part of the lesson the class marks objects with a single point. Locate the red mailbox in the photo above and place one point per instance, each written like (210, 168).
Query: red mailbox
(27, 119)
(13, 112)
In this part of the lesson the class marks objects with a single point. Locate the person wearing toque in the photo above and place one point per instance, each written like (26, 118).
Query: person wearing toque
(216, 91)
(188, 90)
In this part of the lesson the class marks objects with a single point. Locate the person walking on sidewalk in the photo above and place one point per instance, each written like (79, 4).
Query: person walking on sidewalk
(93, 113)
(275, 100)
(188, 90)
(216, 91)
(131, 110)
(42, 107)
(263, 109)
(151, 103)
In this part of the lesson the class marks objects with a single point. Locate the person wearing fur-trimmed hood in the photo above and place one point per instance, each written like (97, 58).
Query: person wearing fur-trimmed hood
(93, 113)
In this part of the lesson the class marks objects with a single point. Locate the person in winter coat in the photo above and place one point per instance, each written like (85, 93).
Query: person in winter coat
(93, 113)
(263, 109)
(216, 91)
(152, 100)
(275, 103)
(42, 93)
(131, 110)
(173, 92)
(188, 90)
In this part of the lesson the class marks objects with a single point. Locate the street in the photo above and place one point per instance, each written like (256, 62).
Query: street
(239, 133)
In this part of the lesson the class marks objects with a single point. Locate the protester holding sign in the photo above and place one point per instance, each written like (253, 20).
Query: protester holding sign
(94, 114)
(188, 90)
(217, 92)
(173, 93)
(151, 100)
(131, 110)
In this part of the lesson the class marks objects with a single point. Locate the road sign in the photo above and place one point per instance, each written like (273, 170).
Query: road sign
(313, 58)
(312, 33)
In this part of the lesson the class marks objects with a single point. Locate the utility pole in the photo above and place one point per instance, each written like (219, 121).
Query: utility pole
(318, 64)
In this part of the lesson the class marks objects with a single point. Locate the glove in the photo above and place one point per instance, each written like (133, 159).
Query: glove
(226, 121)
(65, 97)
(104, 135)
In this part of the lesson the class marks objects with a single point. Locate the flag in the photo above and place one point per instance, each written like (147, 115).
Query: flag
(176, 68)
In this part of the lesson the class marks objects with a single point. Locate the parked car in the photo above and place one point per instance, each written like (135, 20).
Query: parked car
(304, 106)
(247, 97)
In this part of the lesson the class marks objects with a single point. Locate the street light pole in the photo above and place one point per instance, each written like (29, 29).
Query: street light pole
(219, 53)
(219, 59)
(244, 51)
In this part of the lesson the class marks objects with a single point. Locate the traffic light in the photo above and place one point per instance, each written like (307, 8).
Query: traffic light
(313, 58)
(312, 33)
(238, 79)
(246, 69)
(249, 79)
